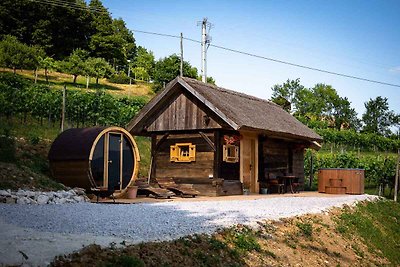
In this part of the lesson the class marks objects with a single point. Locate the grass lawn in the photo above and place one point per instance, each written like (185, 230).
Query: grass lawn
(58, 80)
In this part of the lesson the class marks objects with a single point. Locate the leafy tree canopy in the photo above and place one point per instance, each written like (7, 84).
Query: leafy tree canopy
(168, 68)
(377, 117)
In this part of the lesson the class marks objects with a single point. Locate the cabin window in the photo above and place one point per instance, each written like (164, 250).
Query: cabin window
(183, 152)
(231, 153)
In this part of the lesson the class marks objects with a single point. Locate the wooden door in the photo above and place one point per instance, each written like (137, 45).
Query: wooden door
(114, 161)
(249, 164)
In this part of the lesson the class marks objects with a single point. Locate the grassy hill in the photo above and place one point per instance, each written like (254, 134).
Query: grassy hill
(365, 235)
(58, 80)
(32, 135)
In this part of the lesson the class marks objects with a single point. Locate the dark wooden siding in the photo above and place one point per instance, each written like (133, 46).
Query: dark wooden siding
(198, 170)
(298, 164)
(183, 113)
(280, 157)
(226, 170)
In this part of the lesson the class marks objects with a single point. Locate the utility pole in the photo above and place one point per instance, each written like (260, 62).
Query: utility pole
(181, 55)
(205, 43)
(396, 182)
(129, 72)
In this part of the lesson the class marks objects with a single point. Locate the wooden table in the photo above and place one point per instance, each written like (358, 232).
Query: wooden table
(288, 181)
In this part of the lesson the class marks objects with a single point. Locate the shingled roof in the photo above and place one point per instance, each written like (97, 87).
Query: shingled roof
(238, 110)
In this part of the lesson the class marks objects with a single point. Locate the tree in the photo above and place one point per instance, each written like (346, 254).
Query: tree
(112, 40)
(75, 64)
(58, 29)
(46, 63)
(16, 55)
(144, 59)
(166, 69)
(377, 117)
(317, 106)
(284, 94)
(98, 68)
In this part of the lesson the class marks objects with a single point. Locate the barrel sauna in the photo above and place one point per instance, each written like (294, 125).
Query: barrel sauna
(341, 181)
(105, 157)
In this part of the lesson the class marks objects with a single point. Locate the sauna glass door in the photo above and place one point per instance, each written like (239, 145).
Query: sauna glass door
(114, 161)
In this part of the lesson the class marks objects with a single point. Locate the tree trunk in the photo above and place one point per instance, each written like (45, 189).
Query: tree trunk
(97, 80)
(75, 76)
(36, 75)
(46, 74)
(14, 70)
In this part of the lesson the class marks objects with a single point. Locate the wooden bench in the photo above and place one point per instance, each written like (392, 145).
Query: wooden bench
(181, 190)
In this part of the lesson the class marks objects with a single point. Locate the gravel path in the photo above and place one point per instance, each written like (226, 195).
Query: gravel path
(44, 231)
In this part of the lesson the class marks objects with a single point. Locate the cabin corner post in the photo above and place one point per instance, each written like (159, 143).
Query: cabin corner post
(217, 155)
(153, 160)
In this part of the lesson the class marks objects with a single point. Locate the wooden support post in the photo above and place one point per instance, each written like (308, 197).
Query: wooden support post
(208, 140)
(396, 182)
(311, 169)
(63, 109)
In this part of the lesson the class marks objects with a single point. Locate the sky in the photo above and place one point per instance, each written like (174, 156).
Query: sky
(358, 38)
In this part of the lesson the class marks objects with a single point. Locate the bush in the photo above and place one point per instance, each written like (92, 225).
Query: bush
(121, 78)
(7, 149)
(378, 169)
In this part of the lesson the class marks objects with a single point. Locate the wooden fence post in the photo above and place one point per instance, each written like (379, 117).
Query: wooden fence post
(396, 182)
(311, 170)
(63, 109)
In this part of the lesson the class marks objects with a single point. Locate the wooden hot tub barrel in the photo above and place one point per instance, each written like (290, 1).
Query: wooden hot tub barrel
(341, 181)
(97, 157)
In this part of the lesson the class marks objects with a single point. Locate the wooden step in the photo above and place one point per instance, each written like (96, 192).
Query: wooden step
(340, 190)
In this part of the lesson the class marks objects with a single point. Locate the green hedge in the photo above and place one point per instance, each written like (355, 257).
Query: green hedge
(377, 168)
(366, 141)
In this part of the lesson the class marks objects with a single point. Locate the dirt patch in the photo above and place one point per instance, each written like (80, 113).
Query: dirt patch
(30, 169)
(310, 240)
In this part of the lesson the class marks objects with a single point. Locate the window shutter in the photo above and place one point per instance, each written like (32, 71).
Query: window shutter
(236, 153)
(225, 153)
(173, 153)
(192, 152)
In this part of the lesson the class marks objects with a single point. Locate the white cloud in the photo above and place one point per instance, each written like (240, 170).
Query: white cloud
(395, 70)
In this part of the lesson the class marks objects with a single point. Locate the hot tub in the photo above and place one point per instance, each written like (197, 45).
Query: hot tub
(341, 181)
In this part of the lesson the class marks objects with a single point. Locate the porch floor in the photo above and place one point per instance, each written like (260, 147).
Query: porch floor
(253, 196)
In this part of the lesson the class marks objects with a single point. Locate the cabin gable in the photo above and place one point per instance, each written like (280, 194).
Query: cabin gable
(183, 112)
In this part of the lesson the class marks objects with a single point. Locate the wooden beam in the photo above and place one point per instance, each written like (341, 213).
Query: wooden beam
(208, 140)
(159, 143)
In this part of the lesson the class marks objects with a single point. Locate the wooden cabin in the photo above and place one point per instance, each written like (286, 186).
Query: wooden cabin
(219, 140)
(96, 157)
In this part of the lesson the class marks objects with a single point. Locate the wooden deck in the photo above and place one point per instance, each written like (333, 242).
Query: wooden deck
(205, 198)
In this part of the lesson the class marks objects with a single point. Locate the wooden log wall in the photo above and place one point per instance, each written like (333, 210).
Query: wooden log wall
(183, 113)
(298, 164)
(198, 173)
(280, 157)
(275, 156)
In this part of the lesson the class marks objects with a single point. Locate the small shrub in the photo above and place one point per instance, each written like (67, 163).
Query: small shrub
(245, 240)
(7, 149)
(34, 139)
(121, 78)
(216, 244)
(305, 228)
(125, 261)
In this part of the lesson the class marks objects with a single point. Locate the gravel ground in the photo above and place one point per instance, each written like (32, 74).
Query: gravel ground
(44, 231)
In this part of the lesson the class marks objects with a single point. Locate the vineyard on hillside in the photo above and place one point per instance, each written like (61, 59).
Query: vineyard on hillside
(23, 99)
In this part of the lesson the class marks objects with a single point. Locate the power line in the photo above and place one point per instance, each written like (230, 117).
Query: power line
(281, 61)
(76, 6)
(61, 3)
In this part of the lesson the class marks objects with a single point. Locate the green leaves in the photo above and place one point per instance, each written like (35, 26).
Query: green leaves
(377, 117)
(82, 108)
